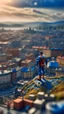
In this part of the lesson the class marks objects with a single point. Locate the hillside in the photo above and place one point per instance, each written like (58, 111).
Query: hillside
(58, 91)
(53, 85)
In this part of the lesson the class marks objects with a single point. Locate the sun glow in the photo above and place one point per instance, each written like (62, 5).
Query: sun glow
(5, 1)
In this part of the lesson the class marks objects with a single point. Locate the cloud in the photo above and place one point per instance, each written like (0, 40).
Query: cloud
(15, 14)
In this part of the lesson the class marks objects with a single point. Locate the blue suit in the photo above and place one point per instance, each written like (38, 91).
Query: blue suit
(40, 69)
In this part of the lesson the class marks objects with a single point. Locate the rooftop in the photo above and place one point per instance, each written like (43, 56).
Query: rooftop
(52, 64)
(4, 43)
(17, 100)
(26, 61)
(4, 72)
(26, 69)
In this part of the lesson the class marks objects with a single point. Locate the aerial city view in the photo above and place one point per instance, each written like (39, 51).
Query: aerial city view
(31, 56)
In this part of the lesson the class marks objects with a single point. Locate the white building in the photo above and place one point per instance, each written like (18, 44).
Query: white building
(28, 73)
(5, 79)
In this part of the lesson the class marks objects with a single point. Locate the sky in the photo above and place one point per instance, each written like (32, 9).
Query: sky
(54, 3)
(13, 11)
(5, 1)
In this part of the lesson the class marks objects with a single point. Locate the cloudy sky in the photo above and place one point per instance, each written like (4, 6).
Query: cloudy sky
(24, 11)
(54, 3)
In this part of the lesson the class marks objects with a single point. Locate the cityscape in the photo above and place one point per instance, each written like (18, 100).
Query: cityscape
(31, 31)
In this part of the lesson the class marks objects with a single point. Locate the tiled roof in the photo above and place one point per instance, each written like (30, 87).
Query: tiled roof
(52, 64)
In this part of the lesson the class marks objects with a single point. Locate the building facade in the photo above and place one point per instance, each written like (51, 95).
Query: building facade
(51, 67)
(60, 71)
(28, 73)
(9, 77)
(60, 60)
(5, 79)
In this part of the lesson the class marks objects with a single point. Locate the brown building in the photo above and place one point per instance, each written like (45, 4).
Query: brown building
(20, 103)
(30, 56)
(28, 102)
(47, 52)
(3, 57)
(53, 52)
(26, 63)
(39, 48)
(60, 60)
(16, 52)
(56, 52)
(60, 72)
(9, 57)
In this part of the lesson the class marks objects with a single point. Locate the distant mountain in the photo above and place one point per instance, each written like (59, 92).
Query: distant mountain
(30, 24)
(11, 25)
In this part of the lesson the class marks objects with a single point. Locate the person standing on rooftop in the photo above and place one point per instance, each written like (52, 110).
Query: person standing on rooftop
(41, 61)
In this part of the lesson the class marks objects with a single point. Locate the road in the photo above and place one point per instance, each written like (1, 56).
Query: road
(7, 92)
(11, 111)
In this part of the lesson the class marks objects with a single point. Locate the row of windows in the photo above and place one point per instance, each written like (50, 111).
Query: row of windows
(5, 79)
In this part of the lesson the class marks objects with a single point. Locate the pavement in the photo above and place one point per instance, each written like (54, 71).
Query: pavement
(46, 83)
(7, 92)
(5, 111)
